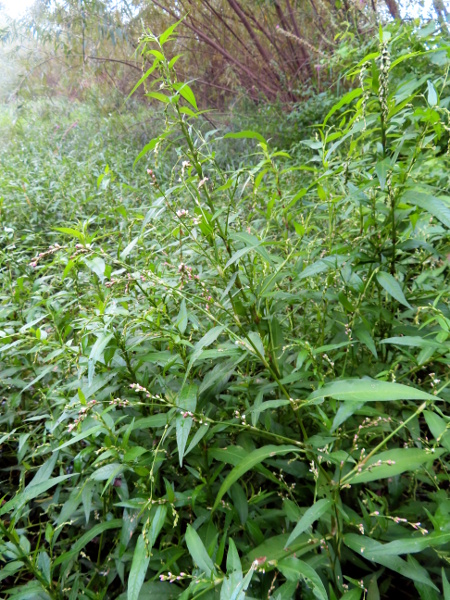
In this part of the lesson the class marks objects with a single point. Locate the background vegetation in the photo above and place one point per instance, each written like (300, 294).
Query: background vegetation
(225, 334)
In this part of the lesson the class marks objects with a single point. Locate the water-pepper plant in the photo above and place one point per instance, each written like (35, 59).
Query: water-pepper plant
(227, 377)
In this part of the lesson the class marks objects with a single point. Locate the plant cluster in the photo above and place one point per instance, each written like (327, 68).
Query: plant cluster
(229, 380)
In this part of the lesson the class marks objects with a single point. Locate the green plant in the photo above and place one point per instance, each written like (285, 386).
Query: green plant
(230, 381)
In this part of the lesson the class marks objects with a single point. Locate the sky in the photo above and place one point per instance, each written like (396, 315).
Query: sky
(15, 8)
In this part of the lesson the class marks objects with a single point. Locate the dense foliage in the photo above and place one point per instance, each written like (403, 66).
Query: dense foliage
(224, 366)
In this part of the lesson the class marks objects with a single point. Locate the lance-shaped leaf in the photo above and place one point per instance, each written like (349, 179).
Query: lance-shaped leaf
(368, 390)
(313, 513)
(198, 551)
(252, 459)
(295, 569)
(392, 287)
(392, 462)
(186, 401)
(372, 550)
(142, 553)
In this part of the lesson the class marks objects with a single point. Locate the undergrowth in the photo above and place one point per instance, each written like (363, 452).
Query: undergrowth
(228, 378)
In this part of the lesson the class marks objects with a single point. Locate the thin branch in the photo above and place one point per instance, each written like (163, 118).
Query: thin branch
(122, 62)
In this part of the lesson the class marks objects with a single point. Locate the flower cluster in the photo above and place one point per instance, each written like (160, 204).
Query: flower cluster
(119, 402)
(241, 417)
(81, 249)
(368, 423)
(51, 250)
(383, 92)
(399, 520)
(184, 165)
(137, 387)
(110, 283)
(171, 578)
(153, 176)
(82, 414)
(189, 414)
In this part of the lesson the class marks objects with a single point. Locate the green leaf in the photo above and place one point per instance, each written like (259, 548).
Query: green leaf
(372, 550)
(144, 77)
(252, 459)
(174, 60)
(182, 318)
(412, 340)
(45, 471)
(126, 251)
(364, 336)
(159, 420)
(432, 94)
(368, 390)
(29, 493)
(130, 520)
(187, 401)
(198, 551)
(328, 263)
(239, 253)
(33, 590)
(240, 502)
(393, 462)
(373, 593)
(158, 96)
(233, 560)
(10, 568)
(354, 594)
(243, 585)
(157, 522)
(97, 353)
(246, 134)
(199, 435)
(313, 513)
(234, 574)
(164, 37)
(147, 148)
(142, 553)
(438, 428)
(349, 97)
(184, 90)
(80, 436)
(416, 544)
(392, 287)
(72, 232)
(43, 563)
(436, 207)
(287, 590)
(160, 590)
(445, 585)
(274, 548)
(134, 453)
(185, 110)
(256, 343)
(86, 538)
(107, 472)
(139, 566)
(204, 342)
(295, 569)
(382, 168)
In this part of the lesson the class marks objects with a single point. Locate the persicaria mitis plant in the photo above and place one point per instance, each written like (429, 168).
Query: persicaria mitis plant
(232, 381)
